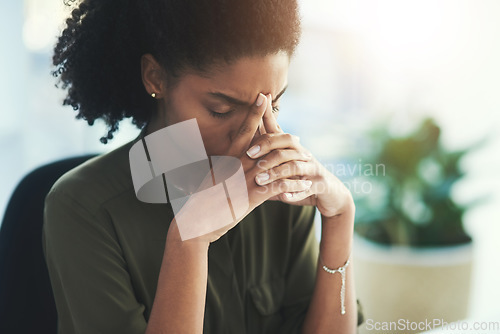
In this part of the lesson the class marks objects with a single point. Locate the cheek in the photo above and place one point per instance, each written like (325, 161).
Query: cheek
(217, 134)
(215, 137)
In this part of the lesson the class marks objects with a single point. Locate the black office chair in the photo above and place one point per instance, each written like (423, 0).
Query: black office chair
(26, 300)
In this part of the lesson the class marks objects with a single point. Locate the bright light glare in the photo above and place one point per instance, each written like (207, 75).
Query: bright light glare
(404, 31)
(42, 19)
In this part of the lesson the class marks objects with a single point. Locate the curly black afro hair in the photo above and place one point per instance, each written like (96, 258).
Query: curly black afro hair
(97, 56)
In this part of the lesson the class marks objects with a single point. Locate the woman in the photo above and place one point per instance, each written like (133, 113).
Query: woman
(118, 265)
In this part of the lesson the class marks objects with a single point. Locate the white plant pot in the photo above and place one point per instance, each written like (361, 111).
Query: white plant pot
(407, 285)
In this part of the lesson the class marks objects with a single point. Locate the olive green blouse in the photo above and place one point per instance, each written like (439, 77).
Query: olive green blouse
(104, 249)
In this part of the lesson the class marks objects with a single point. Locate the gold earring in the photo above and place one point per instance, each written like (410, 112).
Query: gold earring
(153, 94)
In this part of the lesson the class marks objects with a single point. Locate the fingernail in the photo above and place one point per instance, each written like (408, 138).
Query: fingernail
(307, 183)
(253, 151)
(260, 100)
(262, 177)
(288, 195)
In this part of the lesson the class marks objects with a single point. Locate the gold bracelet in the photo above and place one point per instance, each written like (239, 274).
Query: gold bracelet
(342, 271)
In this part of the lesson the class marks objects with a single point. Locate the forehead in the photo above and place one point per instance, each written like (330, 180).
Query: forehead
(245, 78)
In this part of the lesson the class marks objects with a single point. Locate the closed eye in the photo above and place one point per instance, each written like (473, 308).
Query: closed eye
(220, 114)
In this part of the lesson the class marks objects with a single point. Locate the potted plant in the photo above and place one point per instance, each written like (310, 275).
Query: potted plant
(413, 255)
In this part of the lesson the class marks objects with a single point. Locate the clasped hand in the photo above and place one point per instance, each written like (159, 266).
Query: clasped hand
(276, 167)
(284, 170)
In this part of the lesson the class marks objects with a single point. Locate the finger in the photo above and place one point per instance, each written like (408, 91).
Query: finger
(269, 119)
(296, 196)
(287, 170)
(273, 141)
(282, 186)
(247, 130)
(262, 128)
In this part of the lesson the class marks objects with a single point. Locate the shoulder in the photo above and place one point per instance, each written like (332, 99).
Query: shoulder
(96, 181)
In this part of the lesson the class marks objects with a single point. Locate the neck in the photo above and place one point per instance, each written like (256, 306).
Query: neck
(158, 119)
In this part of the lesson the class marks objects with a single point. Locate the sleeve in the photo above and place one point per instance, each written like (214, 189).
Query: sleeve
(301, 273)
(92, 287)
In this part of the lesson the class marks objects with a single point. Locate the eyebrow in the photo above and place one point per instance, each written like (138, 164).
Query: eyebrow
(236, 101)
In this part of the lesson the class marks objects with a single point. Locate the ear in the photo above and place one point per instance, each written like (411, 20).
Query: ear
(152, 76)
